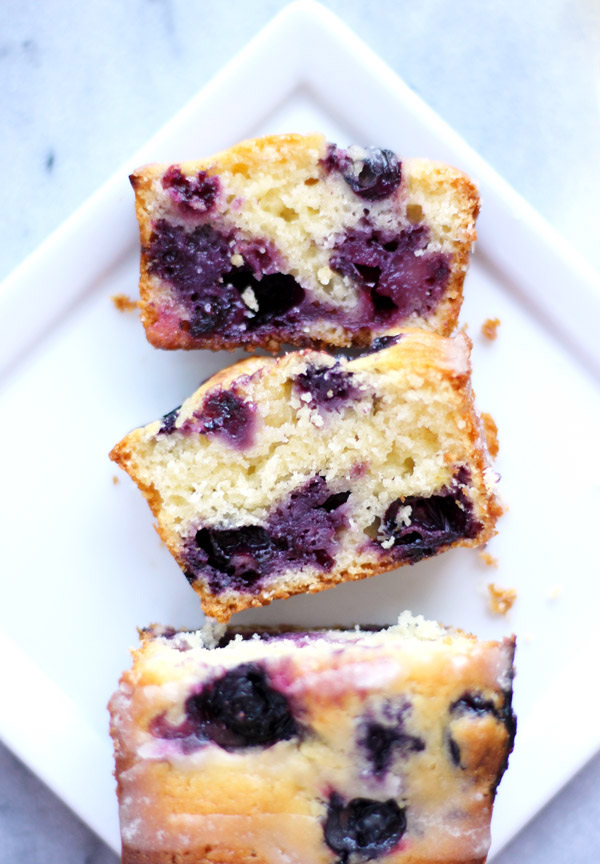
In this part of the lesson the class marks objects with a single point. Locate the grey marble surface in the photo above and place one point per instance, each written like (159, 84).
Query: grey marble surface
(85, 84)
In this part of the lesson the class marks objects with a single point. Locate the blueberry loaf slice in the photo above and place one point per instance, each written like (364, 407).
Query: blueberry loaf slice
(281, 476)
(318, 746)
(289, 239)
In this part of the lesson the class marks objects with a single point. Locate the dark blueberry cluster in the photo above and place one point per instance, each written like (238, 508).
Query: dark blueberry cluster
(300, 531)
(363, 828)
(329, 387)
(276, 295)
(193, 195)
(198, 265)
(436, 521)
(396, 282)
(373, 177)
(238, 710)
(241, 709)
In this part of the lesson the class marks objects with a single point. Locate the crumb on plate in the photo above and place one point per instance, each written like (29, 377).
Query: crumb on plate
(124, 303)
(491, 433)
(500, 600)
(489, 328)
(488, 559)
(115, 480)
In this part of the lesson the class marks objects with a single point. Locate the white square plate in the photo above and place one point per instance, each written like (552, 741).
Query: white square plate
(82, 565)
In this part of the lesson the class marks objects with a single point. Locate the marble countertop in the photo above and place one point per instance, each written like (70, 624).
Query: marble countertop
(85, 85)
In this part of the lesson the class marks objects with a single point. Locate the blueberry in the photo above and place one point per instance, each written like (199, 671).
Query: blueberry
(330, 387)
(168, 421)
(240, 553)
(276, 294)
(477, 705)
(301, 530)
(213, 313)
(383, 342)
(334, 501)
(241, 709)
(193, 195)
(226, 415)
(473, 703)
(378, 175)
(433, 522)
(364, 827)
(374, 177)
(382, 742)
(454, 751)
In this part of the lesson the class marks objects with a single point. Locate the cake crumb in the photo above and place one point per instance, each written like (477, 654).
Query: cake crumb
(115, 480)
(500, 599)
(124, 303)
(489, 328)
(555, 592)
(491, 433)
(528, 637)
(488, 559)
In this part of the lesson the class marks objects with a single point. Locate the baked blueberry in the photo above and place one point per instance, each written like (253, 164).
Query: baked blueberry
(363, 827)
(241, 709)
(383, 742)
(377, 175)
(419, 526)
(301, 530)
(329, 387)
(227, 416)
(168, 421)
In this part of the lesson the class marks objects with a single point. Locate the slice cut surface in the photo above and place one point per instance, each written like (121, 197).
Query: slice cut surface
(291, 239)
(290, 475)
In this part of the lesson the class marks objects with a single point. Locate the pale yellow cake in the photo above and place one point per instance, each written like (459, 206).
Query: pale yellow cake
(312, 748)
(291, 475)
(289, 239)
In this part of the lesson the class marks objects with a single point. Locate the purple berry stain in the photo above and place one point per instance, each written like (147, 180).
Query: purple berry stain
(300, 531)
(194, 195)
(252, 298)
(363, 828)
(395, 281)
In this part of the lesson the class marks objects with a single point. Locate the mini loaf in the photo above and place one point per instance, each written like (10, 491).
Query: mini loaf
(312, 747)
(289, 239)
(291, 475)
